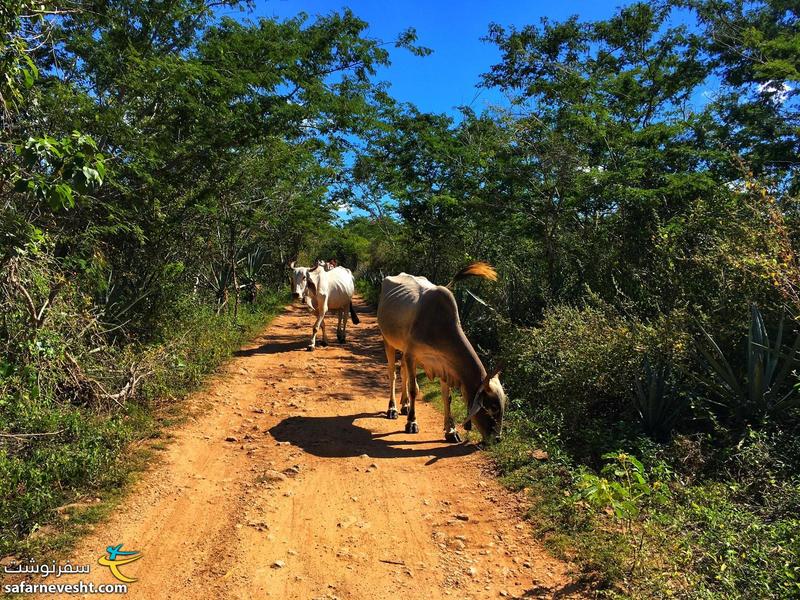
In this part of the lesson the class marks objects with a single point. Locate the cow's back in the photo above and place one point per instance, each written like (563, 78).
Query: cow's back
(401, 306)
(340, 287)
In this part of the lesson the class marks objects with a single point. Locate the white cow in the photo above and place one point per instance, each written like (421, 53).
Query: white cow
(326, 291)
(299, 284)
(421, 320)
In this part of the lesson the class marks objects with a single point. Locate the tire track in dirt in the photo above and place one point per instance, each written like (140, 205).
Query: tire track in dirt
(316, 495)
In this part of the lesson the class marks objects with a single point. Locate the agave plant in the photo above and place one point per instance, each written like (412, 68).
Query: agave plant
(659, 407)
(115, 301)
(764, 389)
(219, 282)
(252, 264)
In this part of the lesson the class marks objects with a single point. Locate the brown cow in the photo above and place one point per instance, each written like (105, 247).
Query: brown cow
(421, 320)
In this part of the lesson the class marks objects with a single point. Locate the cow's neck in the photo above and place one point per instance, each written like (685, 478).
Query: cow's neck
(467, 368)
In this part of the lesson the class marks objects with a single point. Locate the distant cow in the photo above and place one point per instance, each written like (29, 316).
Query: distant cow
(326, 291)
(421, 320)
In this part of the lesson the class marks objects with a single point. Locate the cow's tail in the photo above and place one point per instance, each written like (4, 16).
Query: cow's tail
(475, 269)
(354, 314)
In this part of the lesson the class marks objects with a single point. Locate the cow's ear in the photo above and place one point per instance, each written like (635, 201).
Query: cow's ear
(491, 375)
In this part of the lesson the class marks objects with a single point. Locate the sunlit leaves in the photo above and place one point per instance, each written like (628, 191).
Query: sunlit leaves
(56, 170)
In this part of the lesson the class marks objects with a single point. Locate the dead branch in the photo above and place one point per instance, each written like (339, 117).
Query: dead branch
(135, 375)
(36, 316)
(25, 436)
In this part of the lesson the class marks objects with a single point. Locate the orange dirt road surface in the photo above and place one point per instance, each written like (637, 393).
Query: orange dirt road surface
(290, 483)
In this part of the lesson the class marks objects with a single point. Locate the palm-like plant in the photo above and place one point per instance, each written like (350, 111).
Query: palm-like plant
(252, 264)
(764, 389)
(659, 407)
(219, 281)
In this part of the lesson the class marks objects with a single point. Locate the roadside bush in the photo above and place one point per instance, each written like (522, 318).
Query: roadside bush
(584, 362)
(368, 286)
(748, 390)
(61, 440)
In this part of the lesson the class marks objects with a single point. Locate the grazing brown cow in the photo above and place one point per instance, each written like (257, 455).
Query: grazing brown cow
(421, 320)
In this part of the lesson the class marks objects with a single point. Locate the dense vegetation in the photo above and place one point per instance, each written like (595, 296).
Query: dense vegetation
(638, 196)
(158, 167)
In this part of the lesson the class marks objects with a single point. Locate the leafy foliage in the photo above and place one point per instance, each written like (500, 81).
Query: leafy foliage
(641, 181)
(162, 163)
(625, 487)
(159, 165)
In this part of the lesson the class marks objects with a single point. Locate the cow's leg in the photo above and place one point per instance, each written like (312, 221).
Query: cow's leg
(324, 333)
(410, 383)
(403, 388)
(345, 316)
(413, 380)
(314, 330)
(450, 433)
(321, 310)
(391, 412)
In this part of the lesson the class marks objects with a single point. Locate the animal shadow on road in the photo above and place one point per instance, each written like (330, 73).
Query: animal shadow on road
(580, 588)
(340, 437)
(276, 345)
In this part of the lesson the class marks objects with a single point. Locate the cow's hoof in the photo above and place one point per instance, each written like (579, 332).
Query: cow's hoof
(412, 427)
(324, 344)
(310, 348)
(391, 413)
(452, 436)
(404, 410)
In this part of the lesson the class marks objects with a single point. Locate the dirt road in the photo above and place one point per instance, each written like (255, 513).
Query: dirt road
(291, 484)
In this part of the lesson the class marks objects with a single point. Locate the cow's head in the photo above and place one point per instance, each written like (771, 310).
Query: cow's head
(487, 408)
(298, 280)
(312, 278)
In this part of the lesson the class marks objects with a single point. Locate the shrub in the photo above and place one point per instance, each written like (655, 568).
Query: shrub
(584, 362)
(369, 287)
(60, 442)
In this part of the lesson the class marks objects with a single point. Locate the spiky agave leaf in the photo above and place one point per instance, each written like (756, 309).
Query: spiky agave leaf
(768, 366)
(658, 410)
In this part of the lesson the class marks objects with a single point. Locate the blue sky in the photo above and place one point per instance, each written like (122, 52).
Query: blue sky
(449, 77)
(453, 30)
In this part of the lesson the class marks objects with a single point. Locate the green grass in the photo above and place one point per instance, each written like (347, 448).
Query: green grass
(706, 541)
(96, 454)
(713, 539)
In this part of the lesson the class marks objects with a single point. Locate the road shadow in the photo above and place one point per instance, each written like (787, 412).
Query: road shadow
(341, 437)
(363, 343)
(276, 345)
(579, 588)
